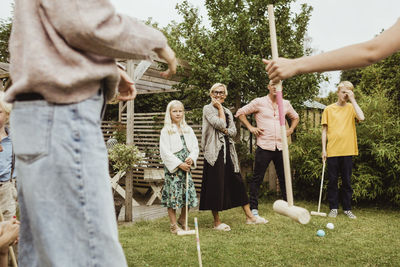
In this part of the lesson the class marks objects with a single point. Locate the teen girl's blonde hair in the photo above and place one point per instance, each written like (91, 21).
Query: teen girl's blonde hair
(171, 128)
(345, 84)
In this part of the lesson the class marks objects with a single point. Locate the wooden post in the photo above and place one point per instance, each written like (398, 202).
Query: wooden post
(120, 106)
(129, 141)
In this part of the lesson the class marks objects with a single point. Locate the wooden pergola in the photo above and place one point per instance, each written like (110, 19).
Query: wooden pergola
(150, 83)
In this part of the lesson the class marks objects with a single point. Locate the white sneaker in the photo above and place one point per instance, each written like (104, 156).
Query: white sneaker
(350, 214)
(258, 220)
(255, 212)
(333, 213)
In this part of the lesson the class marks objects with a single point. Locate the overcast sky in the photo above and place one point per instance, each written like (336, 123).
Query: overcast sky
(334, 23)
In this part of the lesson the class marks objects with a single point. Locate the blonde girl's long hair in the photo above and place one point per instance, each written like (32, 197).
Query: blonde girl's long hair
(168, 125)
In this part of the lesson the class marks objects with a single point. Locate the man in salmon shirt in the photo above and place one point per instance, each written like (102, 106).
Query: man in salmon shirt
(269, 143)
(338, 126)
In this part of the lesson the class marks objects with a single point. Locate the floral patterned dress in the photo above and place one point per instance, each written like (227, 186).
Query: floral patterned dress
(174, 191)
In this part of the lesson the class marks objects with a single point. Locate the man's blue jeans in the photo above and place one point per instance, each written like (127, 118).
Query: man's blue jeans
(66, 205)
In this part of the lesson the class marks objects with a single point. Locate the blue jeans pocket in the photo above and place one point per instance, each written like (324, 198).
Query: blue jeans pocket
(31, 123)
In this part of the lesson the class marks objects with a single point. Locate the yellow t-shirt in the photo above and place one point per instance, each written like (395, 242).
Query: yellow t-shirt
(341, 132)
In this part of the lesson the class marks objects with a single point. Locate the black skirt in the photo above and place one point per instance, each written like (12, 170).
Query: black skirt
(221, 187)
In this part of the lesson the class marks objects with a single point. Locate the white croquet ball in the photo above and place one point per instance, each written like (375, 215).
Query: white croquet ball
(330, 226)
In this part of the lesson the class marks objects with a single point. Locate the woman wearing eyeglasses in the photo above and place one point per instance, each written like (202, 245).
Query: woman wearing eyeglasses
(222, 185)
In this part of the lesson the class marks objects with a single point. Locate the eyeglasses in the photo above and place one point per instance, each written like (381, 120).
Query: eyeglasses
(218, 93)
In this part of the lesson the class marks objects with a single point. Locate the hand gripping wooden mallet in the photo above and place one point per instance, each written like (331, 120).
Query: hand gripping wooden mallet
(185, 231)
(12, 254)
(318, 213)
(282, 207)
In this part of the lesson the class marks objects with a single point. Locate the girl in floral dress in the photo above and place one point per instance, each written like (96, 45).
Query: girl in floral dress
(179, 150)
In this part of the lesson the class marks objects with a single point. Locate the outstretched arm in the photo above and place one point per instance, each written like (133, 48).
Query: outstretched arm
(353, 56)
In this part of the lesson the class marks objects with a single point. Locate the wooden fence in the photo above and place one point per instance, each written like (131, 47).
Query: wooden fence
(147, 127)
(146, 137)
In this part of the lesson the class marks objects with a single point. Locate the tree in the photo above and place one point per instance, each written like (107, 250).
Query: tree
(354, 76)
(5, 32)
(329, 99)
(231, 49)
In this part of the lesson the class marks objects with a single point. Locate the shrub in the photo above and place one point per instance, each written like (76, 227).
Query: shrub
(376, 169)
(306, 163)
(120, 133)
(124, 156)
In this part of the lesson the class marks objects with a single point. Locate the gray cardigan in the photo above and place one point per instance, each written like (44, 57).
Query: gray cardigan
(212, 138)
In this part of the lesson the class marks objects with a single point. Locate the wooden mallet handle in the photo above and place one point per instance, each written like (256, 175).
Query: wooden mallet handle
(279, 98)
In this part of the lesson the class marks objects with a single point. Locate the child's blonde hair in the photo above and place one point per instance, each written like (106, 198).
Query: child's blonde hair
(4, 105)
(216, 85)
(168, 122)
(345, 84)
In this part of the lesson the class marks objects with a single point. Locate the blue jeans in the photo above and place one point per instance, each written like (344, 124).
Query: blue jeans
(65, 198)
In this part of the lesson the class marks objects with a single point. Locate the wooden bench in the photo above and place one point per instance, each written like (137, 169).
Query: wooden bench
(149, 174)
(155, 178)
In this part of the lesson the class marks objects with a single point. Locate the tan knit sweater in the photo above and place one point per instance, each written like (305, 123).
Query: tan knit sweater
(64, 49)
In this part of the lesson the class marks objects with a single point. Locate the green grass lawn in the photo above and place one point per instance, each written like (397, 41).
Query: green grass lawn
(373, 239)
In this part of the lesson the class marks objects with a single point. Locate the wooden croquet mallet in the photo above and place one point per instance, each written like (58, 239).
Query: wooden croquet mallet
(282, 207)
(198, 242)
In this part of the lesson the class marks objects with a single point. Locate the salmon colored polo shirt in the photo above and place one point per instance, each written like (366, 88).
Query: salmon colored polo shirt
(267, 118)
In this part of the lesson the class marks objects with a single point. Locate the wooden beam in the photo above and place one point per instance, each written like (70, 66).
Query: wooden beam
(129, 141)
(142, 83)
(158, 80)
(156, 92)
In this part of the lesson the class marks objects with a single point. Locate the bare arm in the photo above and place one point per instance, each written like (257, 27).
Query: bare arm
(353, 56)
(254, 130)
(295, 122)
(323, 139)
(359, 112)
